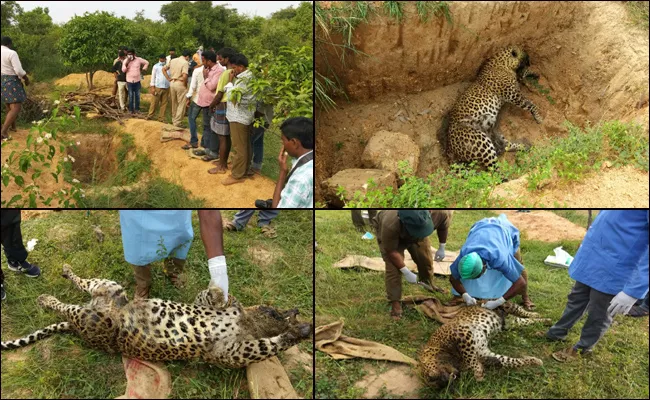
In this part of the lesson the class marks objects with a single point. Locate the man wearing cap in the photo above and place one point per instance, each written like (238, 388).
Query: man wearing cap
(489, 265)
(398, 230)
(611, 273)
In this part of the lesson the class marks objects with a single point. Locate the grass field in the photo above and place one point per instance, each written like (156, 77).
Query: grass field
(617, 369)
(275, 272)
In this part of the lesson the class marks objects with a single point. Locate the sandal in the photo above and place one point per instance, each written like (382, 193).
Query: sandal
(396, 316)
(269, 232)
(199, 152)
(208, 157)
(217, 170)
(189, 146)
(229, 226)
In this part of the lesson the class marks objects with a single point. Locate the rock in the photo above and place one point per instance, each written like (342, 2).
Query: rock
(352, 180)
(385, 149)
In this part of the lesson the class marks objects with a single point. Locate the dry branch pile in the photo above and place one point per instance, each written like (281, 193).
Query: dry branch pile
(101, 104)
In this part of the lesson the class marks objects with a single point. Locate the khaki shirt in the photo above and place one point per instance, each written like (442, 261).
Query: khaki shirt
(177, 67)
(392, 235)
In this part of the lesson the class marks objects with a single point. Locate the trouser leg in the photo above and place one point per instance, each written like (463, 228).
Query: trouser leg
(12, 239)
(264, 217)
(598, 320)
(577, 302)
(241, 218)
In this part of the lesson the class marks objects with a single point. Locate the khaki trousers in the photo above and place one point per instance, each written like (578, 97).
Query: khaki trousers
(160, 98)
(242, 148)
(122, 94)
(178, 91)
(421, 254)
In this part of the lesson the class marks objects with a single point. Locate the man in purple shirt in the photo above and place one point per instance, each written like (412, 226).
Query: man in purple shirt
(133, 65)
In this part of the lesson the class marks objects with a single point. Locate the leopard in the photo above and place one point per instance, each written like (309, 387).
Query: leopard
(462, 344)
(212, 329)
(472, 124)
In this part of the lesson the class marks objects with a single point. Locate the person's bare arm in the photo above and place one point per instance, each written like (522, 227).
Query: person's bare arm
(284, 170)
(396, 259)
(442, 234)
(184, 79)
(211, 232)
(515, 288)
(457, 285)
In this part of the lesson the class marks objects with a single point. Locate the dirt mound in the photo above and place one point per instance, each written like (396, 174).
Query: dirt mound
(594, 63)
(545, 226)
(175, 165)
(612, 188)
(101, 79)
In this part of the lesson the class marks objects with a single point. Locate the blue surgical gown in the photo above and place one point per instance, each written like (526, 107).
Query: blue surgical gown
(496, 241)
(613, 256)
(152, 235)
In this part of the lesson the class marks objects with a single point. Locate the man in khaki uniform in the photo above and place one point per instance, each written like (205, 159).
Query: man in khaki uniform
(399, 230)
(176, 73)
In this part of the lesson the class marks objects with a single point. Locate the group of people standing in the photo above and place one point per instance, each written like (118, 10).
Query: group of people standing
(610, 267)
(200, 83)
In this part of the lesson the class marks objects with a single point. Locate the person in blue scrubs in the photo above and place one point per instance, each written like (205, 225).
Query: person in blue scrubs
(489, 265)
(611, 274)
(154, 235)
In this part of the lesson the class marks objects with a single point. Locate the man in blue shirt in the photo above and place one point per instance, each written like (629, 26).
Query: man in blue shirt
(159, 89)
(153, 235)
(489, 265)
(611, 274)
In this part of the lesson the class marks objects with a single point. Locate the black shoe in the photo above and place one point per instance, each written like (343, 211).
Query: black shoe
(3, 295)
(264, 203)
(30, 270)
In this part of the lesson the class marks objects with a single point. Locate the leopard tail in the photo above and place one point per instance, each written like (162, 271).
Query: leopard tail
(38, 335)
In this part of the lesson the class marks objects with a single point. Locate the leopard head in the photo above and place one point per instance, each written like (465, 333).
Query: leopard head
(439, 375)
(512, 57)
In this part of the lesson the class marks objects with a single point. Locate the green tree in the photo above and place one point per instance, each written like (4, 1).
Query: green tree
(89, 42)
(10, 10)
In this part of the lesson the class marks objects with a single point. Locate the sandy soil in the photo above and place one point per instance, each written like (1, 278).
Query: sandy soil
(614, 187)
(175, 165)
(594, 63)
(544, 226)
(101, 79)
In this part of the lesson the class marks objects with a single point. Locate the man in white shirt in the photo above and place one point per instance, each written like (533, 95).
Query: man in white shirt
(172, 54)
(193, 112)
(13, 92)
(159, 88)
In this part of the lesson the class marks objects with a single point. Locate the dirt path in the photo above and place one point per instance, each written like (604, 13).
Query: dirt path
(175, 165)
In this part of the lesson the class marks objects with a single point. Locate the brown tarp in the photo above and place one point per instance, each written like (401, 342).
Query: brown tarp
(377, 264)
(330, 339)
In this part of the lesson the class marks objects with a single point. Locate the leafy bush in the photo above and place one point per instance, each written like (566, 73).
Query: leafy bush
(38, 158)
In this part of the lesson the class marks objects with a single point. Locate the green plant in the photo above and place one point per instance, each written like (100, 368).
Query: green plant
(285, 80)
(394, 9)
(541, 89)
(435, 8)
(90, 42)
(38, 158)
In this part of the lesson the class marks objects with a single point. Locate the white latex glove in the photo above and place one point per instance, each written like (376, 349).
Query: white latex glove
(410, 276)
(469, 300)
(219, 274)
(492, 304)
(440, 253)
(620, 304)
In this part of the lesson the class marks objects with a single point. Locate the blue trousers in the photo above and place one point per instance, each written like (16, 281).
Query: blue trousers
(257, 142)
(192, 114)
(134, 95)
(263, 218)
